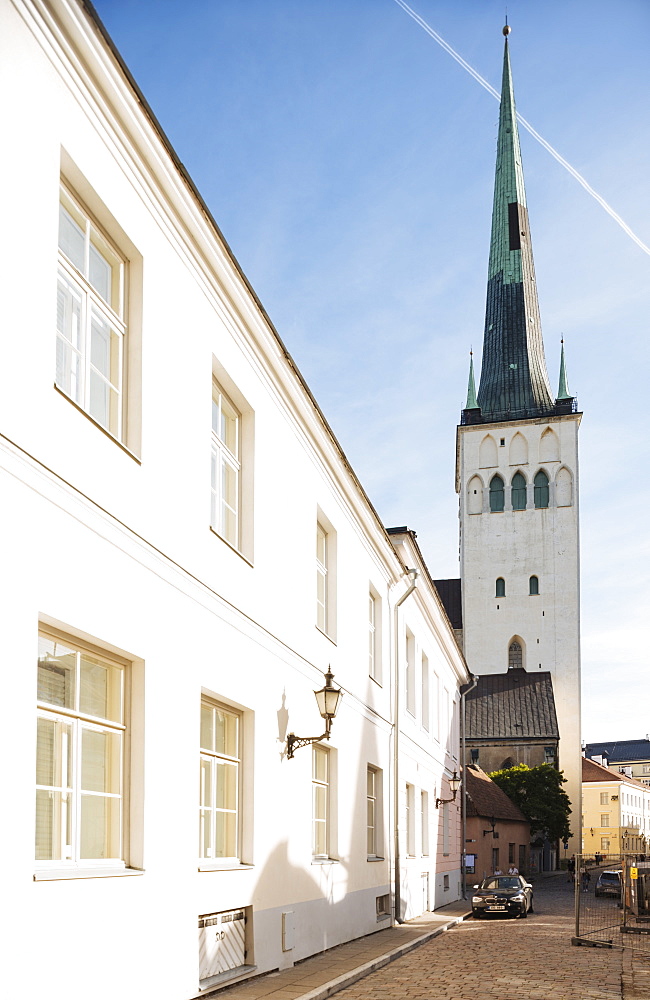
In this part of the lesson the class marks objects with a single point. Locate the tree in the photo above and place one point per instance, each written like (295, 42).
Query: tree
(539, 794)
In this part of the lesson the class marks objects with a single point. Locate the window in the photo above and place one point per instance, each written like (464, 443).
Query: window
(326, 576)
(426, 697)
(219, 783)
(80, 754)
(533, 586)
(424, 816)
(604, 798)
(497, 494)
(321, 577)
(604, 843)
(604, 819)
(410, 820)
(410, 673)
(320, 802)
(474, 755)
(382, 905)
(518, 492)
(374, 634)
(495, 859)
(541, 489)
(500, 589)
(515, 656)
(511, 853)
(549, 756)
(373, 812)
(226, 467)
(91, 326)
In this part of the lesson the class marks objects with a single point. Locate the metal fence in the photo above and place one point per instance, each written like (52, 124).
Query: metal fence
(612, 899)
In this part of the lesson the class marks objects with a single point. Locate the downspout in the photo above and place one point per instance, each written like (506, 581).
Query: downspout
(465, 689)
(413, 573)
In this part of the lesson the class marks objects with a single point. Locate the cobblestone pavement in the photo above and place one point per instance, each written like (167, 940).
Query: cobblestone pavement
(528, 959)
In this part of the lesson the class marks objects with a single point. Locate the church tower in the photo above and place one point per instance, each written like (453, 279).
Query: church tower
(517, 477)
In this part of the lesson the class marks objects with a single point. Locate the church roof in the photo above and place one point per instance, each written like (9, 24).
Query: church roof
(514, 382)
(620, 751)
(516, 705)
(485, 798)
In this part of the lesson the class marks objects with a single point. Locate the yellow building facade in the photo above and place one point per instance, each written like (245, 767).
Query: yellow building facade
(615, 812)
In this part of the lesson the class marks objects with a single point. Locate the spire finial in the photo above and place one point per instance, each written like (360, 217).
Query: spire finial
(472, 403)
(563, 388)
(506, 27)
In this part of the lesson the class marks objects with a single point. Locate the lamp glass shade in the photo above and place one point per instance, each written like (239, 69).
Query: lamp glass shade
(454, 783)
(327, 700)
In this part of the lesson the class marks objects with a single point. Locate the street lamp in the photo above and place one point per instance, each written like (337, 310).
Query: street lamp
(454, 785)
(327, 699)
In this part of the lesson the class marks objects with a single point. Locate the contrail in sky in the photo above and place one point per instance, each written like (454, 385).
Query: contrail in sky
(547, 146)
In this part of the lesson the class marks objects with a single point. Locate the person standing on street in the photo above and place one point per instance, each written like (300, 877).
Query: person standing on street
(586, 879)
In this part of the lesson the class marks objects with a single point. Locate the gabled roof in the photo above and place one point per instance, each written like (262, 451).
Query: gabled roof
(450, 595)
(516, 705)
(620, 751)
(485, 798)
(591, 771)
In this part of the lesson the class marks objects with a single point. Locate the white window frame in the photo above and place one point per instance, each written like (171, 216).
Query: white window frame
(320, 803)
(213, 763)
(409, 673)
(374, 813)
(322, 581)
(604, 798)
(426, 694)
(604, 819)
(225, 515)
(372, 636)
(424, 821)
(78, 372)
(410, 820)
(67, 826)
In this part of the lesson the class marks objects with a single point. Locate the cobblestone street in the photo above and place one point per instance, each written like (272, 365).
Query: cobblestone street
(509, 959)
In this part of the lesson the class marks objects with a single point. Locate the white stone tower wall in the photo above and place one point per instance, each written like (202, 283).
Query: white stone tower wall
(516, 544)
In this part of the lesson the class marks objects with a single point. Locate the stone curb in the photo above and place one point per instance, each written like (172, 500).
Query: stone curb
(348, 978)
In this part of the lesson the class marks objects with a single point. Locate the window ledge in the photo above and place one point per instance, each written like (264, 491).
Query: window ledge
(325, 861)
(223, 867)
(327, 636)
(99, 427)
(375, 857)
(238, 973)
(232, 547)
(53, 874)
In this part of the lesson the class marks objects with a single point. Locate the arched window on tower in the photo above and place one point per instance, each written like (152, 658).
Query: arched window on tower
(518, 492)
(541, 489)
(500, 589)
(533, 586)
(515, 656)
(497, 494)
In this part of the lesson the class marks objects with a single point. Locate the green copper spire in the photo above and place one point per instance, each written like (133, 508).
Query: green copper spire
(471, 403)
(514, 382)
(563, 390)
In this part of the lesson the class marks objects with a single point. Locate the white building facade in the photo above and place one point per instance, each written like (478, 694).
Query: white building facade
(185, 552)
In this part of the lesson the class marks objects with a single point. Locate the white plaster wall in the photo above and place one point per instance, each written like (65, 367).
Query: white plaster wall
(116, 548)
(515, 545)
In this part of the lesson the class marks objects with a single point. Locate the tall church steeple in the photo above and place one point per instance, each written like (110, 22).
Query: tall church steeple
(514, 382)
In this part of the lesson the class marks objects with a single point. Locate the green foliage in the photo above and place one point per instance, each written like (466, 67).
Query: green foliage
(539, 794)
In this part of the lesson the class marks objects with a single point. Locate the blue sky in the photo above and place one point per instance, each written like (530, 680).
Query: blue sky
(349, 162)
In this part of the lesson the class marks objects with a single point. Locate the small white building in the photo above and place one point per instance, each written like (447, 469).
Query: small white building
(185, 552)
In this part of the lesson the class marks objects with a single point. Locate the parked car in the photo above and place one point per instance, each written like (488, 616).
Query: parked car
(506, 895)
(609, 884)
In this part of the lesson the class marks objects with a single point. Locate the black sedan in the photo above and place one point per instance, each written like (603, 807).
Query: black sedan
(508, 895)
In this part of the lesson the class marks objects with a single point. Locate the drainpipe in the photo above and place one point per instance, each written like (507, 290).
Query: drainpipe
(465, 689)
(413, 573)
